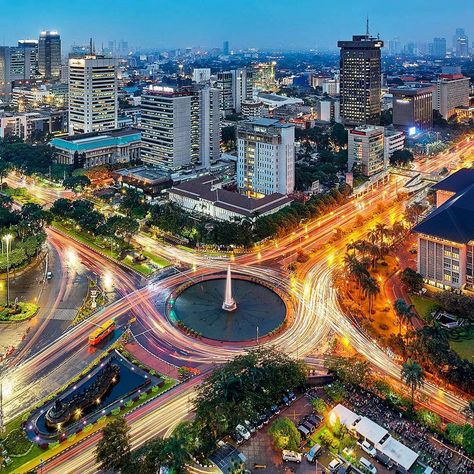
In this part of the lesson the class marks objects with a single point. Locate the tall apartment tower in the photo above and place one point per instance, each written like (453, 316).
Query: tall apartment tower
(17, 63)
(266, 157)
(225, 48)
(93, 103)
(180, 127)
(49, 54)
(236, 86)
(360, 79)
(451, 91)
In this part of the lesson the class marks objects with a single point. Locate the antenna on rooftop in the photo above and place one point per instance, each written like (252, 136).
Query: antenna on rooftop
(367, 26)
(91, 47)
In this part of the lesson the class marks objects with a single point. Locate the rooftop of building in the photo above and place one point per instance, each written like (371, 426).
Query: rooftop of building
(90, 141)
(208, 188)
(145, 174)
(412, 89)
(452, 221)
(363, 129)
(267, 122)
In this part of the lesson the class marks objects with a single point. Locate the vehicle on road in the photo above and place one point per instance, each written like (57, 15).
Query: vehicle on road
(244, 432)
(368, 465)
(334, 465)
(368, 448)
(102, 332)
(313, 453)
(49, 275)
(291, 456)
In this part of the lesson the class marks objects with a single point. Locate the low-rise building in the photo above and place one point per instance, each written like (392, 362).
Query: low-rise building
(252, 109)
(26, 125)
(394, 141)
(329, 109)
(95, 149)
(446, 236)
(205, 195)
(147, 180)
(366, 150)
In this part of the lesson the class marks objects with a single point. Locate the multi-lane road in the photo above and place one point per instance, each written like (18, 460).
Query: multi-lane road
(317, 314)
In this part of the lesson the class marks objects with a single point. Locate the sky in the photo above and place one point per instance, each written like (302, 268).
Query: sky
(276, 24)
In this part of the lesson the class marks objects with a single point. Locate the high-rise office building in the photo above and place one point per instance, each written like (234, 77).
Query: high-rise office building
(93, 103)
(264, 76)
(360, 79)
(394, 46)
(366, 150)
(236, 86)
(201, 74)
(266, 157)
(413, 107)
(17, 64)
(225, 48)
(49, 54)
(451, 91)
(31, 46)
(461, 43)
(180, 127)
(438, 48)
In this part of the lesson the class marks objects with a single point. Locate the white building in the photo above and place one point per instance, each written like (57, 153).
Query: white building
(366, 150)
(180, 127)
(252, 109)
(331, 87)
(452, 90)
(205, 195)
(236, 86)
(329, 109)
(394, 140)
(93, 103)
(201, 74)
(266, 157)
(274, 101)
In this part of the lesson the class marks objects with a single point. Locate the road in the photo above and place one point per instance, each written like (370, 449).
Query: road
(318, 312)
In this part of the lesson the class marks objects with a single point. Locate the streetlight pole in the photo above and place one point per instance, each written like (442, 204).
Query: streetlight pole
(7, 239)
(257, 335)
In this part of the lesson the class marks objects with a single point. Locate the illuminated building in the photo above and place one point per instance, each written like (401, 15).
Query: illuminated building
(235, 86)
(360, 80)
(180, 127)
(93, 104)
(413, 106)
(451, 91)
(366, 150)
(266, 157)
(49, 54)
(17, 64)
(446, 237)
(264, 76)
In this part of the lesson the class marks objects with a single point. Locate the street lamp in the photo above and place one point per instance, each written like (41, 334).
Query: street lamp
(7, 238)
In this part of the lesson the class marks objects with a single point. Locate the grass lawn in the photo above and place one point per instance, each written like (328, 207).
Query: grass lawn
(461, 340)
(423, 305)
(23, 311)
(143, 268)
(20, 195)
(325, 434)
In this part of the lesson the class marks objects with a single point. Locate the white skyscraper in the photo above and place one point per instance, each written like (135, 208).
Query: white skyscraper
(266, 157)
(93, 104)
(180, 127)
(366, 150)
(236, 86)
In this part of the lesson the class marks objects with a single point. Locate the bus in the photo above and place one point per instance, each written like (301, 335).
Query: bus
(102, 332)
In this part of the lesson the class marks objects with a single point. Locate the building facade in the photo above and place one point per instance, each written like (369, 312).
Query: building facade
(366, 150)
(264, 76)
(446, 236)
(27, 125)
(17, 65)
(360, 80)
(394, 141)
(49, 54)
(95, 149)
(413, 106)
(235, 87)
(93, 102)
(266, 157)
(451, 91)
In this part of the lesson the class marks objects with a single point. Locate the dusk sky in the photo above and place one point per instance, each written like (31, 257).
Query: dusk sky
(245, 23)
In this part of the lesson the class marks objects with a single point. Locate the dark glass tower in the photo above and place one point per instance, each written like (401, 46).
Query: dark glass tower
(360, 90)
(49, 54)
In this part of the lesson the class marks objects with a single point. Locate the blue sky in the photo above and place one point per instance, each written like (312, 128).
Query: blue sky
(245, 23)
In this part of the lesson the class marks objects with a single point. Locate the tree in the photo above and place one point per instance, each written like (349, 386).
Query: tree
(354, 370)
(370, 288)
(413, 376)
(319, 406)
(404, 313)
(412, 280)
(113, 449)
(401, 158)
(386, 117)
(4, 170)
(284, 434)
(76, 183)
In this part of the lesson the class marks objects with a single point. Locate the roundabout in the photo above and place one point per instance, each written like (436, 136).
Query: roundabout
(231, 309)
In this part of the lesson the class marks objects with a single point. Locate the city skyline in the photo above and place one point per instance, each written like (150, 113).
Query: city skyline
(260, 26)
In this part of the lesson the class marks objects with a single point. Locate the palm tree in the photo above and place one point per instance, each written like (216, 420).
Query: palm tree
(404, 313)
(413, 375)
(370, 288)
(382, 232)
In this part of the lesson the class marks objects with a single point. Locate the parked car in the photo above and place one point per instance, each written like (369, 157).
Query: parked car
(334, 465)
(250, 426)
(258, 423)
(263, 418)
(303, 431)
(285, 400)
(309, 426)
(368, 465)
(291, 396)
(368, 448)
(244, 432)
(237, 438)
(313, 453)
(291, 456)
(269, 414)
(314, 420)
(384, 459)
(275, 409)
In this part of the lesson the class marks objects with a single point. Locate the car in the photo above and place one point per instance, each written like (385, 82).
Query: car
(244, 432)
(250, 426)
(292, 456)
(315, 420)
(303, 431)
(291, 396)
(49, 275)
(368, 465)
(258, 423)
(334, 465)
(313, 453)
(285, 400)
(368, 448)
(275, 409)
(269, 414)
(263, 418)
(237, 438)
(308, 426)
